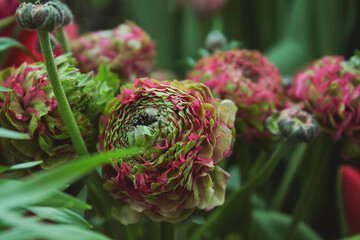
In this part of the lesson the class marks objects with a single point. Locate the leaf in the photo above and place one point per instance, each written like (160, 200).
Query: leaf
(274, 225)
(60, 215)
(6, 22)
(4, 89)
(7, 43)
(25, 165)
(43, 184)
(6, 133)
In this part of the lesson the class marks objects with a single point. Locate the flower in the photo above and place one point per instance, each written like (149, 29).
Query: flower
(247, 78)
(187, 133)
(31, 108)
(16, 57)
(329, 90)
(127, 49)
(350, 186)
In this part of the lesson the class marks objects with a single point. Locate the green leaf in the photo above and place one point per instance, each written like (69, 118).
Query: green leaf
(43, 184)
(25, 165)
(6, 133)
(274, 225)
(60, 215)
(4, 89)
(7, 43)
(6, 22)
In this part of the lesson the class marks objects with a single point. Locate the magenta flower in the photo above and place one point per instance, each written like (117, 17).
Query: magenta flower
(127, 49)
(329, 90)
(187, 133)
(247, 78)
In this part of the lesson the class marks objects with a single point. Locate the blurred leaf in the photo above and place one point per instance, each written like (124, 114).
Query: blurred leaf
(20, 166)
(274, 225)
(43, 184)
(4, 89)
(60, 215)
(6, 22)
(6, 133)
(7, 43)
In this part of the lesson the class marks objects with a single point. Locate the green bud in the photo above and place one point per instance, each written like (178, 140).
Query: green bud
(215, 40)
(45, 17)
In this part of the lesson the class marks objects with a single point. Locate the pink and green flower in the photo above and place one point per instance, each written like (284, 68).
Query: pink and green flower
(186, 132)
(127, 49)
(247, 78)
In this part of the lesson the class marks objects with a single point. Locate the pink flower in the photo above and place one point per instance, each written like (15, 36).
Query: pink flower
(350, 184)
(329, 90)
(247, 78)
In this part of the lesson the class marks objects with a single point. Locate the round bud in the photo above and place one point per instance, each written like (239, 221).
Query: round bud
(296, 125)
(215, 40)
(45, 17)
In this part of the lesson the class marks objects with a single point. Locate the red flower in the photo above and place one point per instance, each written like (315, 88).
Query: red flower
(28, 38)
(350, 183)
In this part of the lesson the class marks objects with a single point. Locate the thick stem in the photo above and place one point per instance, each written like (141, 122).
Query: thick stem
(167, 231)
(63, 104)
(309, 191)
(340, 205)
(253, 183)
(63, 39)
(288, 177)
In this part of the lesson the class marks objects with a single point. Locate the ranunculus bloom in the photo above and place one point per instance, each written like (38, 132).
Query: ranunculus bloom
(127, 49)
(247, 78)
(329, 89)
(31, 108)
(350, 184)
(16, 57)
(187, 133)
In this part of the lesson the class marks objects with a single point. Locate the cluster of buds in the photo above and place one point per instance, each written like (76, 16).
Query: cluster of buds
(186, 132)
(127, 49)
(247, 78)
(31, 108)
(45, 17)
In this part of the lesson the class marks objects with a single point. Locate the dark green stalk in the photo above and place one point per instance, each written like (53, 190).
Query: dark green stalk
(306, 197)
(340, 205)
(167, 231)
(64, 107)
(253, 183)
(63, 39)
(288, 177)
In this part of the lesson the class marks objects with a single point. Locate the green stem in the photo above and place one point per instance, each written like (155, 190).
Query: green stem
(63, 39)
(309, 191)
(218, 22)
(64, 107)
(253, 183)
(288, 177)
(167, 231)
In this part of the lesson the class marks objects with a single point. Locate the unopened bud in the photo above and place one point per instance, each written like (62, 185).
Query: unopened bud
(294, 124)
(45, 17)
(215, 40)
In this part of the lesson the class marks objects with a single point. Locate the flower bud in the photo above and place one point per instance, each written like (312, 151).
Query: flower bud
(45, 17)
(215, 40)
(68, 16)
(294, 124)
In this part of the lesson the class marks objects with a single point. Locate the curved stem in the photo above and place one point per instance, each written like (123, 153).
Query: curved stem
(167, 231)
(64, 107)
(288, 177)
(63, 39)
(307, 195)
(253, 183)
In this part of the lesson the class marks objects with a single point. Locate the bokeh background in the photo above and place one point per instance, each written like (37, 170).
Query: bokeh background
(290, 32)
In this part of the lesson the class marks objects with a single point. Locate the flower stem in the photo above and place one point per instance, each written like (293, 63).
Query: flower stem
(340, 205)
(309, 191)
(60, 96)
(167, 231)
(253, 183)
(290, 171)
(63, 39)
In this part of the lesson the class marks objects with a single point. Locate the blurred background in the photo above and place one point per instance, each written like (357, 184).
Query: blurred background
(289, 32)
